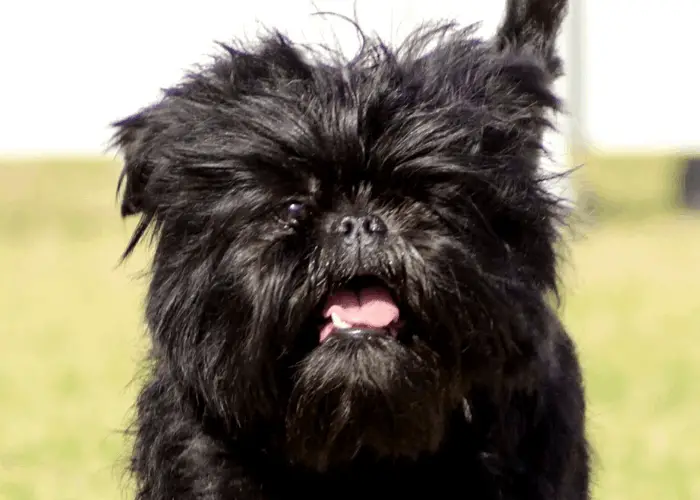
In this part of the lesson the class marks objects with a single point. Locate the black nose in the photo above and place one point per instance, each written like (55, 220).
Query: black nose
(363, 228)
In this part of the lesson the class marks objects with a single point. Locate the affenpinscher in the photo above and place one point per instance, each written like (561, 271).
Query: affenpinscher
(353, 284)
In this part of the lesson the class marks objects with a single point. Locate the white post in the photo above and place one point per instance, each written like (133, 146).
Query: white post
(565, 143)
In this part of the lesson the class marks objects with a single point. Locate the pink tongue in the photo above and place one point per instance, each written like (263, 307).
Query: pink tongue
(370, 307)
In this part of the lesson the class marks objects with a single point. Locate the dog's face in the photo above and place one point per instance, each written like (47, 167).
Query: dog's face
(343, 249)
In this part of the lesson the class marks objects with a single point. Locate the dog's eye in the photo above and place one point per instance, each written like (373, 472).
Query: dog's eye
(296, 213)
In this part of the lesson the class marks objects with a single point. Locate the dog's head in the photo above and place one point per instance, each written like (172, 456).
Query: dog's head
(345, 247)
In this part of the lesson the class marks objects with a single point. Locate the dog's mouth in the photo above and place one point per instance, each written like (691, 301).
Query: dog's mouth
(364, 306)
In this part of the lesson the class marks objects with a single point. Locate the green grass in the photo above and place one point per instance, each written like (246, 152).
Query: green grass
(71, 336)
(630, 187)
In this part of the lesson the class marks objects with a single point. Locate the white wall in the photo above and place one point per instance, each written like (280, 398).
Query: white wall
(69, 68)
(642, 74)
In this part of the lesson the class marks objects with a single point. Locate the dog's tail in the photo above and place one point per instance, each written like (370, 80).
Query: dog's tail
(533, 26)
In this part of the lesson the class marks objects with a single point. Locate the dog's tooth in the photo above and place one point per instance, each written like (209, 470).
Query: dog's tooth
(339, 322)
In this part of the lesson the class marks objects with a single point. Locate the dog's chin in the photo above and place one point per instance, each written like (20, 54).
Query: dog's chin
(367, 394)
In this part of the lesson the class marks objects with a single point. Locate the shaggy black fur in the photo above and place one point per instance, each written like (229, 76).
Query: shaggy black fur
(247, 172)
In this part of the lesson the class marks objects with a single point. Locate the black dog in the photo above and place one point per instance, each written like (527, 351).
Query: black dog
(354, 266)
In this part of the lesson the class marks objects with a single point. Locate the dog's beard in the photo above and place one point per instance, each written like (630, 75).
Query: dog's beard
(369, 394)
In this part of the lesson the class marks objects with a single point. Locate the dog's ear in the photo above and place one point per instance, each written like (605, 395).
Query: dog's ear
(135, 138)
(144, 137)
(533, 26)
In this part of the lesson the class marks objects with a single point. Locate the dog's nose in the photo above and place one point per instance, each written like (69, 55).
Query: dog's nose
(364, 228)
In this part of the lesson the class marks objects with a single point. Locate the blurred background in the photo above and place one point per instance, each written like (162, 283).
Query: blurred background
(71, 334)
